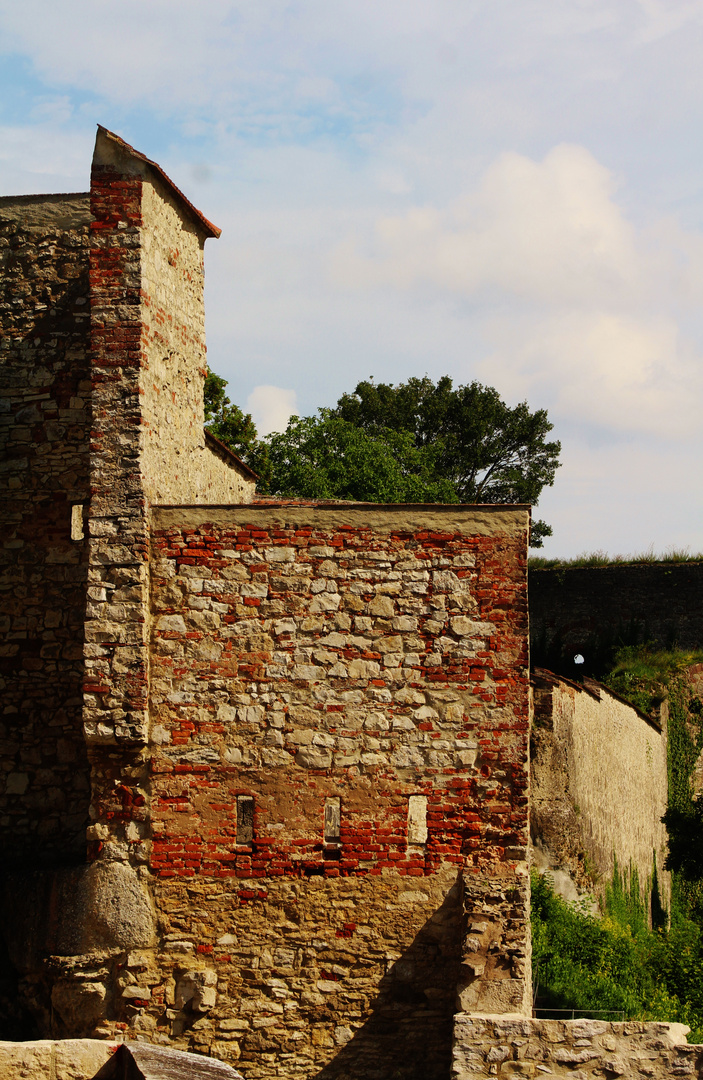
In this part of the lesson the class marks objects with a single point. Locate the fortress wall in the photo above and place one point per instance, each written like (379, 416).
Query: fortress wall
(44, 428)
(599, 781)
(339, 716)
(578, 609)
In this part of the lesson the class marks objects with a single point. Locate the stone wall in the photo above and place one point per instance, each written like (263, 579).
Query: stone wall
(599, 783)
(486, 1046)
(44, 467)
(587, 609)
(338, 805)
(178, 465)
(147, 444)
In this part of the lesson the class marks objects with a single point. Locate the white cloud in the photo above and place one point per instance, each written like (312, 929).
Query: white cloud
(545, 231)
(618, 373)
(271, 407)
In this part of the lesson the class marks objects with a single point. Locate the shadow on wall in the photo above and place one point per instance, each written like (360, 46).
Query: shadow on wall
(409, 1033)
(45, 786)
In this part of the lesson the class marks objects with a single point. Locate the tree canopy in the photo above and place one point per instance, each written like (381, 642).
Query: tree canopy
(234, 428)
(416, 441)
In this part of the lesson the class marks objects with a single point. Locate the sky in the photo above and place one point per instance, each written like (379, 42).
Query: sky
(502, 190)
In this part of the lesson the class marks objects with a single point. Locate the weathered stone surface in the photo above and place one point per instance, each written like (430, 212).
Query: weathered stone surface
(71, 1059)
(517, 1046)
(162, 1063)
(593, 751)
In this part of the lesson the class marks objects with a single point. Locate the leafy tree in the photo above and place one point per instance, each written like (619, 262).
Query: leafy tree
(414, 442)
(487, 450)
(233, 427)
(326, 457)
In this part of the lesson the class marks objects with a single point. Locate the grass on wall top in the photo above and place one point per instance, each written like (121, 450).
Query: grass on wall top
(602, 558)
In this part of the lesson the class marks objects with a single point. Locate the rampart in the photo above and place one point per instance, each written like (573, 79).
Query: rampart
(577, 609)
(599, 784)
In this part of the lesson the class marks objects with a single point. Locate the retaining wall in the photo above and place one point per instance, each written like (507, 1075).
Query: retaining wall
(599, 784)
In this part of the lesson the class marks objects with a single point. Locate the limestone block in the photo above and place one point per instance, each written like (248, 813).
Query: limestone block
(70, 1059)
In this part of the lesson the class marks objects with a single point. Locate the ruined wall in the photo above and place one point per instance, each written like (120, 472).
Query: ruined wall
(44, 426)
(598, 782)
(585, 609)
(487, 1046)
(339, 714)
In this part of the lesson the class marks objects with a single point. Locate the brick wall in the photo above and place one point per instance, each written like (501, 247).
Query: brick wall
(44, 425)
(356, 677)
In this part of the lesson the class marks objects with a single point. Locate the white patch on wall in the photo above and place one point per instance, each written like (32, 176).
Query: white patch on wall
(417, 821)
(77, 532)
(333, 821)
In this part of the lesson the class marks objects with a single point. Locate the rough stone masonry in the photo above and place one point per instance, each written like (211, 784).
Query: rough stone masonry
(264, 766)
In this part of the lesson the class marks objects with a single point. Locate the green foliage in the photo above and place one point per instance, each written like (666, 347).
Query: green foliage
(486, 450)
(608, 965)
(601, 558)
(326, 457)
(646, 675)
(233, 427)
(414, 442)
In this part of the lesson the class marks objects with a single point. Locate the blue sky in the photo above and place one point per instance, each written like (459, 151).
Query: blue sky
(506, 190)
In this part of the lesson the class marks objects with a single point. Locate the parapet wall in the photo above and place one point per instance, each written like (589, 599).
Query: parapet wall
(599, 783)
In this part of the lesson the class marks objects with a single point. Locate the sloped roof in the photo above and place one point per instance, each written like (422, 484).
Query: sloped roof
(208, 227)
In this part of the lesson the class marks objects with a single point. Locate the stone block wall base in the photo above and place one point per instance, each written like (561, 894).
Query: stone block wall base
(503, 1046)
(67, 1059)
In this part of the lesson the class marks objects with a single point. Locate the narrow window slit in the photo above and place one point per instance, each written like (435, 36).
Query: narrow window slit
(245, 819)
(333, 822)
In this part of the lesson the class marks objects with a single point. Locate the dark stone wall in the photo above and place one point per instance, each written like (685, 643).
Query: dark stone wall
(44, 430)
(592, 610)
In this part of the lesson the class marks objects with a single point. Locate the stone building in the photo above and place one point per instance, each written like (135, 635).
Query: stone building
(260, 761)
(264, 765)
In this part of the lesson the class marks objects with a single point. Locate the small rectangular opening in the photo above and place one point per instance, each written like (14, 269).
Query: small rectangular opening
(245, 819)
(333, 821)
(417, 821)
